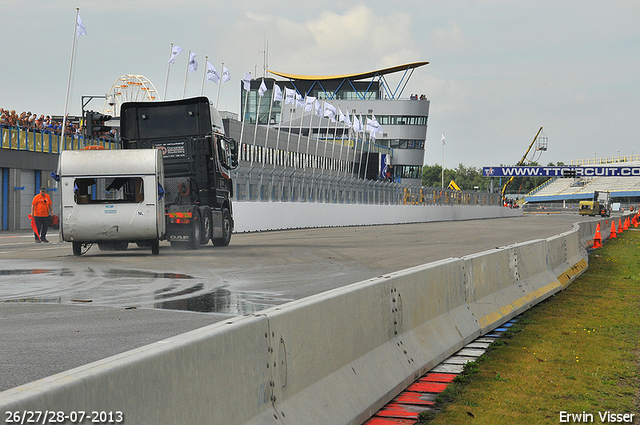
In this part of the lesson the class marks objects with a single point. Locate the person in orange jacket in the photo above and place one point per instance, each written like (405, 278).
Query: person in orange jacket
(41, 209)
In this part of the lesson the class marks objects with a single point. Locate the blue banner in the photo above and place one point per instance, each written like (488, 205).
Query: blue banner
(561, 171)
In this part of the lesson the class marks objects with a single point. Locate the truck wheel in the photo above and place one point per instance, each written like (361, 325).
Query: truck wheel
(155, 247)
(226, 230)
(205, 227)
(77, 249)
(196, 232)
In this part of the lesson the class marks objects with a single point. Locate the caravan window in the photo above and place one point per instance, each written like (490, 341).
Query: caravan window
(101, 190)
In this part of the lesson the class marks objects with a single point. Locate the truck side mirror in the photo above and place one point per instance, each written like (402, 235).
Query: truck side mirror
(233, 147)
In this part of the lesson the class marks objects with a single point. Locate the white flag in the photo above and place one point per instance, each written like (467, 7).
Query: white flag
(330, 111)
(175, 51)
(80, 28)
(344, 118)
(263, 88)
(246, 81)
(290, 96)
(318, 107)
(212, 73)
(277, 93)
(373, 126)
(357, 126)
(442, 139)
(193, 64)
(308, 103)
(299, 100)
(226, 75)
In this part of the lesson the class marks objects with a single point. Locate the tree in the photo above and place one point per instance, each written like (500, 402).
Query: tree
(467, 178)
(432, 175)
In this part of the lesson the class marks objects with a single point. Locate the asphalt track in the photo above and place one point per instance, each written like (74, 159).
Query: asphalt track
(58, 311)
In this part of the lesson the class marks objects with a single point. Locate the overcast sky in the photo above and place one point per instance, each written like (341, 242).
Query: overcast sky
(499, 70)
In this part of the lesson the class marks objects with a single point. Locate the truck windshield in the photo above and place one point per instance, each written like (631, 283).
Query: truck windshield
(100, 190)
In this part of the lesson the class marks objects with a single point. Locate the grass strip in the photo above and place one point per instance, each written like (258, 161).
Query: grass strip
(577, 352)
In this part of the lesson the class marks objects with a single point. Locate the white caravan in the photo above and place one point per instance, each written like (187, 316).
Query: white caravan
(112, 198)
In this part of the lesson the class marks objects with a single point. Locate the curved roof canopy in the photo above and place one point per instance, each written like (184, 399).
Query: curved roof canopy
(352, 77)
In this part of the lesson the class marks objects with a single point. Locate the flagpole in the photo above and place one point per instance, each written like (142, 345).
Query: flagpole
(326, 135)
(166, 82)
(346, 161)
(278, 139)
(333, 145)
(342, 147)
(266, 137)
(66, 100)
(246, 100)
(280, 123)
(289, 158)
(318, 138)
(255, 131)
(219, 85)
(366, 164)
(288, 132)
(355, 146)
(300, 130)
(186, 75)
(204, 77)
(442, 160)
(285, 155)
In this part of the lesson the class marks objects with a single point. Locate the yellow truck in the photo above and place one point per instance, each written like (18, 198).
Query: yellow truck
(589, 208)
(601, 204)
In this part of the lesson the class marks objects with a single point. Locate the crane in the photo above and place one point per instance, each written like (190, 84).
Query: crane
(541, 147)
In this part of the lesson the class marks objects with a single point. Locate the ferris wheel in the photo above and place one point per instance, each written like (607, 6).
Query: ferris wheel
(129, 88)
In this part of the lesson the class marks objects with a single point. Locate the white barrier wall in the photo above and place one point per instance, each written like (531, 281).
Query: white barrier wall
(256, 216)
(331, 358)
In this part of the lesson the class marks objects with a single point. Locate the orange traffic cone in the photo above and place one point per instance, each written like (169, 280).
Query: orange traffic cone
(626, 224)
(620, 228)
(613, 234)
(597, 239)
(634, 221)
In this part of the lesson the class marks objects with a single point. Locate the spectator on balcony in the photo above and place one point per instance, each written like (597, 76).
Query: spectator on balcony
(13, 118)
(4, 118)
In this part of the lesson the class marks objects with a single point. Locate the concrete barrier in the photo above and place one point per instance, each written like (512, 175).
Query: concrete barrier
(331, 358)
(257, 216)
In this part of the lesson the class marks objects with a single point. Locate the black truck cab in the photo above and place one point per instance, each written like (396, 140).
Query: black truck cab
(198, 159)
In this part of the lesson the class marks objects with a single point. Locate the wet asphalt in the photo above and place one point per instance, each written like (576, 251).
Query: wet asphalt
(58, 311)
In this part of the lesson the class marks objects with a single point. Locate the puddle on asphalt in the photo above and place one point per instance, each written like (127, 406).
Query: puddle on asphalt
(166, 291)
(222, 300)
(141, 274)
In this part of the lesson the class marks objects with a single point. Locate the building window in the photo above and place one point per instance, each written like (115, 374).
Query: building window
(402, 120)
(403, 143)
(407, 171)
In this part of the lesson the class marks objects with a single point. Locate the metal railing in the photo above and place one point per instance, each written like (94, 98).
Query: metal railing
(605, 160)
(27, 139)
(287, 185)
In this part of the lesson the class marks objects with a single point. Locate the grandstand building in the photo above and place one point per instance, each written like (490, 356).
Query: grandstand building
(624, 190)
(364, 96)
